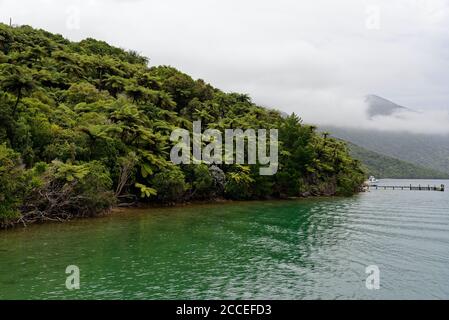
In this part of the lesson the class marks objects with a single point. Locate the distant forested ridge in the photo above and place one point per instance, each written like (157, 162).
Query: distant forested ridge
(85, 126)
(382, 166)
(425, 150)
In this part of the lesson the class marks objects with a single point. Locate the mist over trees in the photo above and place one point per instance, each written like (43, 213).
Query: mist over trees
(425, 150)
(382, 166)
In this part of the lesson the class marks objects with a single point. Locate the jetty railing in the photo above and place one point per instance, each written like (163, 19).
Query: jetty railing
(409, 187)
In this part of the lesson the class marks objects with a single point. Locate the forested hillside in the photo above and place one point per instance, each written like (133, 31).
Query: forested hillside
(382, 166)
(85, 126)
(425, 150)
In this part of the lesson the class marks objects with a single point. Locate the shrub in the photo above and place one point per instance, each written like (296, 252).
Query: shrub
(288, 183)
(263, 185)
(170, 184)
(238, 183)
(203, 184)
(13, 184)
(349, 183)
(70, 190)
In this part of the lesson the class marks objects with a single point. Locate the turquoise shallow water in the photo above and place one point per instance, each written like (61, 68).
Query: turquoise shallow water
(307, 249)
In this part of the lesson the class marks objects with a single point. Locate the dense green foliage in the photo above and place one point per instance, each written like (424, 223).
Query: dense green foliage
(85, 126)
(382, 166)
(12, 183)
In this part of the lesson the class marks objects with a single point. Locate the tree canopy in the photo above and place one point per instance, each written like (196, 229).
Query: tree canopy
(85, 126)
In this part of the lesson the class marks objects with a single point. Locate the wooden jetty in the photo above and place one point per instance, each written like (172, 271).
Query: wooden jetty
(409, 187)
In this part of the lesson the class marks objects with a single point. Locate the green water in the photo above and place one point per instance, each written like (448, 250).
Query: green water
(306, 249)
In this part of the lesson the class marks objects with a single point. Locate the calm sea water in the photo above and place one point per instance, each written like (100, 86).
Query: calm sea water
(308, 249)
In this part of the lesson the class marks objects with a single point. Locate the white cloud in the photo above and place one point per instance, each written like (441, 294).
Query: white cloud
(317, 58)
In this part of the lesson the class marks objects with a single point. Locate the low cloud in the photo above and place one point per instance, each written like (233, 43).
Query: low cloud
(426, 122)
(317, 59)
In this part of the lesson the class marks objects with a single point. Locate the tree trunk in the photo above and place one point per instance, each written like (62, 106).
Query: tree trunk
(19, 96)
(10, 134)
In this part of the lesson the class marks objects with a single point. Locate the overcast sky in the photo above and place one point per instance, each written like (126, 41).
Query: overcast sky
(316, 58)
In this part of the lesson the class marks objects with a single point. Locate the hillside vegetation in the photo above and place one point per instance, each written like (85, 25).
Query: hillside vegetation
(85, 126)
(425, 150)
(382, 166)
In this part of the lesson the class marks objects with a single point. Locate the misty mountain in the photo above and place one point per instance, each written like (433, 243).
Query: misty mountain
(382, 166)
(429, 151)
(378, 106)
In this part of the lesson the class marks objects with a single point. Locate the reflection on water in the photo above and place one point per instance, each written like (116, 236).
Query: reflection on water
(304, 249)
